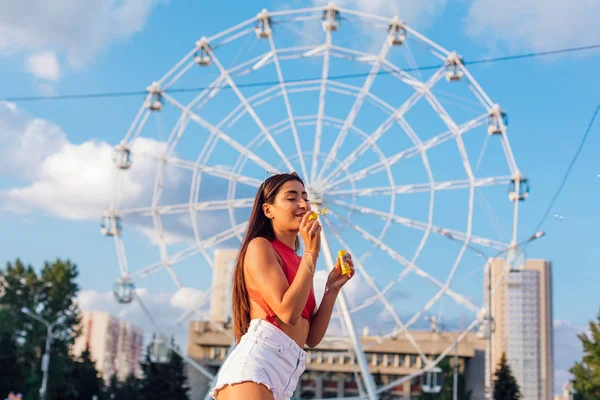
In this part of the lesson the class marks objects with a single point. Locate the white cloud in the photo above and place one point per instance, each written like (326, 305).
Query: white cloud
(43, 65)
(168, 237)
(25, 141)
(80, 29)
(413, 12)
(74, 181)
(188, 298)
(536, 24)
(77, 181)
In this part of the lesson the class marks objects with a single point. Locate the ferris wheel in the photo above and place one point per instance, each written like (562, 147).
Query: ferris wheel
(390, 132)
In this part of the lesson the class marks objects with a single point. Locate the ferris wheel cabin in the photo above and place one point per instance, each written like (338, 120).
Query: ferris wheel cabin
(263, 25)
(122, 157)
(201, 56)
(398, 32)
(124, 291)
(331, 18)
(497, 122)
(519, 188)
(453, 72)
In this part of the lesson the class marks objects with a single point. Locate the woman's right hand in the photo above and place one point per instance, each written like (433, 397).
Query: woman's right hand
(311, 233)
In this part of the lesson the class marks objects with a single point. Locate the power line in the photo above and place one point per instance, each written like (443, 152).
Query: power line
(568, 171)
(272, 83)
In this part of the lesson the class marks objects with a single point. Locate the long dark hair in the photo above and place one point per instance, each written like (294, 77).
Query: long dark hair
(258, 226)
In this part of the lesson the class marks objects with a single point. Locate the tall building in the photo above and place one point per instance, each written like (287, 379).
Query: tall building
(220, 302)
(522, 315)
(115, 345)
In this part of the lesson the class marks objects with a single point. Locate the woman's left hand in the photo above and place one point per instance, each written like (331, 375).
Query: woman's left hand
(336, 280)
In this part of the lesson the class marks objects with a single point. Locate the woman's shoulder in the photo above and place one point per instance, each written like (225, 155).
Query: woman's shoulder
(261, 248)
(260, 244)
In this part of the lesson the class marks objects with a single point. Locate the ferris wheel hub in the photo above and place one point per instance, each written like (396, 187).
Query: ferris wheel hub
(315, 195)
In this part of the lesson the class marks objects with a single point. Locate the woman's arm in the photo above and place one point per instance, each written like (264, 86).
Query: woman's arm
(265, 274)
(320, 320)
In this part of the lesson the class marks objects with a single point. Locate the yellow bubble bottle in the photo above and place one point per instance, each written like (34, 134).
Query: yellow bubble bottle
(345, 266)
(322, 211)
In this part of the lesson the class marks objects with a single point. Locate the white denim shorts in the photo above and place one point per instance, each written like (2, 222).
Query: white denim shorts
(266, 355)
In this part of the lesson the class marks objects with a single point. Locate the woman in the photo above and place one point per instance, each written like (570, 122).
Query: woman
(274, 307)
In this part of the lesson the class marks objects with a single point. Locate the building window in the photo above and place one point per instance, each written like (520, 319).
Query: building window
(412, 360)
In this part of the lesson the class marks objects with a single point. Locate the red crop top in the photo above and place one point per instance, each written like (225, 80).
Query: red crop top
(291, 263)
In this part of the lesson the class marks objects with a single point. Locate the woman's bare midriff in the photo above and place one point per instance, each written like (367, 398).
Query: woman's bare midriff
(298, 332)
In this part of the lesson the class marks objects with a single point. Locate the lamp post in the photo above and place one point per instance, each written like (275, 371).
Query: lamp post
(512, 247)
(46, 356)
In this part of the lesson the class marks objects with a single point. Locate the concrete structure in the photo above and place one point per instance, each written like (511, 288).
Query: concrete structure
(115, 345)
(220, 303)
(522, 315)
(330, 369)
(567, 393)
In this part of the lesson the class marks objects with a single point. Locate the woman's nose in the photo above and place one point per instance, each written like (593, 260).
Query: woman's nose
(305, 205)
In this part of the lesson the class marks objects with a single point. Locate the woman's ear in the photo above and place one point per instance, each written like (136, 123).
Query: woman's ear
(267, 210)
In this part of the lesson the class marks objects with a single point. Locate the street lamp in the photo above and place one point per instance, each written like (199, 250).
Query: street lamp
(46, 356)
(489, 319)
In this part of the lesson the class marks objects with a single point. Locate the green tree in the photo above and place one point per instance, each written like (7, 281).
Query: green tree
(10, 365)
(164, 380)
(51, 295)
(586, 373)
(112, 391)
(505, 384)
(86, 379)
(130, 389)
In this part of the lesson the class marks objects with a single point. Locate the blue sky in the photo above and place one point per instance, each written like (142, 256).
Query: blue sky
(56, 176)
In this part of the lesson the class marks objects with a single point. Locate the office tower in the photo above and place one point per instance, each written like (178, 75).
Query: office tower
(522, 321)
(115, 345)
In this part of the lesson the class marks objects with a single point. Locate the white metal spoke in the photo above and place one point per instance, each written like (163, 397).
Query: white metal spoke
(321, 110)
(433, 363)
(212, 171)
(121, 256)
(408, 265)
(356, 106)
(142, 115)
(212, 205)
(250, 109)
(397, 116)
(508, 153)
(158, 227)
(177, 66)
(406, 154)
(389, 308)
(192, 250)
(342, 304)
(288, 107)
(435, 104)
(422, 187)
(226, 138)
(409, 223)
(174, 349)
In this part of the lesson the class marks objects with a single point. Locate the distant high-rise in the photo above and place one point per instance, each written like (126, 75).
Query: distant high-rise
(522, 315)
(220, 303)
(115, 345)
